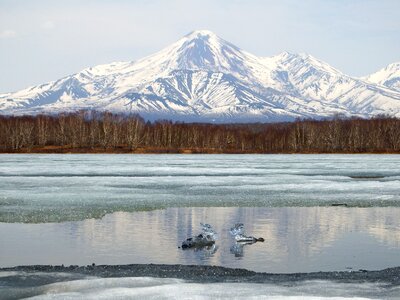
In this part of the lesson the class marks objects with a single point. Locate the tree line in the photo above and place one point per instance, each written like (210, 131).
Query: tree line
(97, 132)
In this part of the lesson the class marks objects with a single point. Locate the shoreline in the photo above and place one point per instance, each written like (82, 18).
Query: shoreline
(61, 150)
(209, 274)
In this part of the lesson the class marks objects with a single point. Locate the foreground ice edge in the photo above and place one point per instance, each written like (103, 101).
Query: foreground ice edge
(189, 281)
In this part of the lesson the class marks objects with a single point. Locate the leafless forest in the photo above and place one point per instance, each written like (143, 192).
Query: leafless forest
(97, 132)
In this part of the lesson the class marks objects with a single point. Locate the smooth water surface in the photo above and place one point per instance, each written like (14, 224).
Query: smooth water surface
(54, 188)
(298, 239)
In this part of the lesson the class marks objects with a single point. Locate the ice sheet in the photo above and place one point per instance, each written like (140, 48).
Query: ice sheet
(52, 188)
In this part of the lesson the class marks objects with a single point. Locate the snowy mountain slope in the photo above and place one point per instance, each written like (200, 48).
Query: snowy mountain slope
(202, 77)
(388, 76)
(313, 79)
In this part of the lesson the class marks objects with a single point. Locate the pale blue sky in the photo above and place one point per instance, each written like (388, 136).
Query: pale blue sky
(45, 40)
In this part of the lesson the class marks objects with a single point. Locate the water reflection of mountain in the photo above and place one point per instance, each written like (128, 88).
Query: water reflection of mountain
(295, 238)
(290, 233)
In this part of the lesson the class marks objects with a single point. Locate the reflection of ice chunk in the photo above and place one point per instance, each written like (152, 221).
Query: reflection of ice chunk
(238, 233)
(237, 249)
(208, 251)
(205, 239)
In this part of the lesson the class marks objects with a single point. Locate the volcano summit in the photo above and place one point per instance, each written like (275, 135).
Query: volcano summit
(202, 77)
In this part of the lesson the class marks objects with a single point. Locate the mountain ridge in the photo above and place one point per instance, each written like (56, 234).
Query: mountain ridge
(389, 76)
(202, 77)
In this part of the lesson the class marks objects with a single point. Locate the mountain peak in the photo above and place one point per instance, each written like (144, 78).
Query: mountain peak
(202, 76)
(394, 66)
(388, 76)
(201, 34)
(305, 60)
(203, 40)
(203, 50)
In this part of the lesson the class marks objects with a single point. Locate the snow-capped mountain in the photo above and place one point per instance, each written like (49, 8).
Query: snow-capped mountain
(202, 77)
(389, 76)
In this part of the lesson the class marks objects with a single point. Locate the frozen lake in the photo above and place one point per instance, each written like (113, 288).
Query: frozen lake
(54, 188)
(127, 209)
